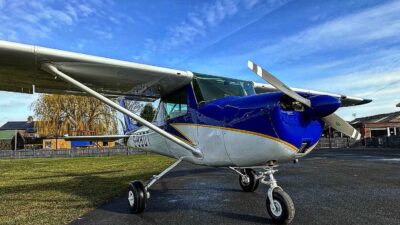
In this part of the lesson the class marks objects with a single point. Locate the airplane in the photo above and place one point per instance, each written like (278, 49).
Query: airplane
(208, 120)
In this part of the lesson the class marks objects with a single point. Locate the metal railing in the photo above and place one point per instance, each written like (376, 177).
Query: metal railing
(374, 142)
(73, 152)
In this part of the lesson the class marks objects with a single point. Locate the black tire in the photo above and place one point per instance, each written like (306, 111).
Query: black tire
(251, 184)
(137, 197)
(286, 213)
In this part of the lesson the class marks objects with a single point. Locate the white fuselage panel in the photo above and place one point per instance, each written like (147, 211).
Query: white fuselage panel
(220, 146)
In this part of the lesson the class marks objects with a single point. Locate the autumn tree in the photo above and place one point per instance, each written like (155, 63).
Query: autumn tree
(58, 115)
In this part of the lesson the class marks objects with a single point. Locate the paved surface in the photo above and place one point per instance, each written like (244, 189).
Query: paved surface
(327, 187)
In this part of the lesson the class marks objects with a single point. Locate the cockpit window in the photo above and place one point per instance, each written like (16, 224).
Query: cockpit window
(208, 88)
(175, 104)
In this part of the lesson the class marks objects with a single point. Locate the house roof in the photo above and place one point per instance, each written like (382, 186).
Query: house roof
(7, 134)
(393, 117)
(17, 125)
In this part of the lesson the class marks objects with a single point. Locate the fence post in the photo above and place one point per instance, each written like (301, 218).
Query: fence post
(329, 138)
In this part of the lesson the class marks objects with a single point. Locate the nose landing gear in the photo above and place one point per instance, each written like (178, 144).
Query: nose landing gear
(279, 205)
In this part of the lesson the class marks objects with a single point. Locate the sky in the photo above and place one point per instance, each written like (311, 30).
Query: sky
(347, 47)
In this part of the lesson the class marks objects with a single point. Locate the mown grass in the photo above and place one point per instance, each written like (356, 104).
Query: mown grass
(59, 190)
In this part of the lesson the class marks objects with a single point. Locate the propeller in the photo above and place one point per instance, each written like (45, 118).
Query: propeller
(332, 120)
(265, 75)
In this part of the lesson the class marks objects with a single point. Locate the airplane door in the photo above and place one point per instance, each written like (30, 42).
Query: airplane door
(212, 145)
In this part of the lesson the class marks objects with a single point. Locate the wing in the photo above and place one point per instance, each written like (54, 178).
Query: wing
(20, 70)
(346, 100)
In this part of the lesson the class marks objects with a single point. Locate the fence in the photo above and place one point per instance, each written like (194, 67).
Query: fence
(75, 152)
(375, 142)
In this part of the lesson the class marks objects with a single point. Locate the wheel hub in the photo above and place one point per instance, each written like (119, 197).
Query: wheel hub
(131, 198)
(245, 180)
(277, 210)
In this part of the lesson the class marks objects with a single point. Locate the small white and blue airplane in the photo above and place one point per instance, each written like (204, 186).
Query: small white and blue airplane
(202, 119)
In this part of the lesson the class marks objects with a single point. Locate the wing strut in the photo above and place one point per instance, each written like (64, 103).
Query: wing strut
(50, 68)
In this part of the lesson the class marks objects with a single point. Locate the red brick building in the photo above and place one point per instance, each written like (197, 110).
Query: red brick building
(381, 125)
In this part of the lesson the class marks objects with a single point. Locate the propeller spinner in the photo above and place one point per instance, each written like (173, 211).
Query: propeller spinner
(332, 119)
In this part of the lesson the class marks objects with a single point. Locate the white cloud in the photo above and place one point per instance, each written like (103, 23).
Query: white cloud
(198, 23)
(370, 25)
(250, 3)
(39, 19)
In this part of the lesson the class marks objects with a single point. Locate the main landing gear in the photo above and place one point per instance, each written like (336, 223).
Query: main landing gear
(138, 193)
(278, 203)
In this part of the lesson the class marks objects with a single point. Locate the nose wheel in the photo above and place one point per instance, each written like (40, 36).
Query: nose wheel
(282, 208)
(279, 205)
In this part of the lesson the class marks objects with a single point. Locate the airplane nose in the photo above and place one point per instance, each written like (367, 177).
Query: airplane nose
(296, 128)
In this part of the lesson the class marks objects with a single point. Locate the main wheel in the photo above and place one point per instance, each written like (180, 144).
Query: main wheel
(137, 197)
(284, 207)
(249, 182)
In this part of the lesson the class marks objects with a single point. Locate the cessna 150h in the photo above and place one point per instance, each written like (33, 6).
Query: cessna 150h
(202, 119)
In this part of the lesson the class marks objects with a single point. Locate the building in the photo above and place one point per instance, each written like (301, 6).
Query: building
(28, 138)
(26, 134)
(7, 140)
(381, 125)
(60, 143)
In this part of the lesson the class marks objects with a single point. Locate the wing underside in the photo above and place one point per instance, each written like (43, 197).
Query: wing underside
(20, 72)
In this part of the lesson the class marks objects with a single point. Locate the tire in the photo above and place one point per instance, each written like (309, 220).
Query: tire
(137, 197)
(249, 183)
(285, 207)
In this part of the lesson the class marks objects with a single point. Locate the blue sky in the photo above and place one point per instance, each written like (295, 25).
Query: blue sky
(349, 47)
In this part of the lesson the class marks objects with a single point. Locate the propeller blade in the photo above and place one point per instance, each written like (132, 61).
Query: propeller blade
(277, 83)
(341, 125)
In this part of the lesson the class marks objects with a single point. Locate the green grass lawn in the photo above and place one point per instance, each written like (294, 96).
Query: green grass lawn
(59, 190)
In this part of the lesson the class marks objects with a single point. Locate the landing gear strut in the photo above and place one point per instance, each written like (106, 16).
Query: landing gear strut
(138, 193)
(279, 205)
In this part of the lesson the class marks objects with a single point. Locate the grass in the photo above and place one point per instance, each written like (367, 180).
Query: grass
(59, 190)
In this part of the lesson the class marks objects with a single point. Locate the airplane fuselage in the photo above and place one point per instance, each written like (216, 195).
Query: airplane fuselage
(237, 131)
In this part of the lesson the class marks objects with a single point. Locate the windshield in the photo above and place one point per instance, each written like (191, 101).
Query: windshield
(208, 88)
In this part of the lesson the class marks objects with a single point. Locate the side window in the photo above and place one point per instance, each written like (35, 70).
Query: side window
(175, 104)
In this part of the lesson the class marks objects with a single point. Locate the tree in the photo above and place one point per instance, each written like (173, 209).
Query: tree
(148, 112)
(58, 115)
